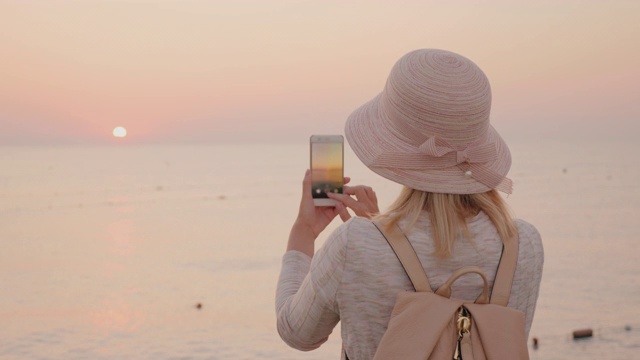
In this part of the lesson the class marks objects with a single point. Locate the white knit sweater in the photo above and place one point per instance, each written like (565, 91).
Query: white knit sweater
(355, 276)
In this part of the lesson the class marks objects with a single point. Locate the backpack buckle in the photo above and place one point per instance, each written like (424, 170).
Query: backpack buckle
(463, 324)
(464, 321)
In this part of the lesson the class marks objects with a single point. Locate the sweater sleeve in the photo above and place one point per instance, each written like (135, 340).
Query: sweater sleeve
(529, 276)
(306, 308)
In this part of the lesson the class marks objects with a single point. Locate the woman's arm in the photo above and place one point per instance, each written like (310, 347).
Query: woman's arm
(305, 296)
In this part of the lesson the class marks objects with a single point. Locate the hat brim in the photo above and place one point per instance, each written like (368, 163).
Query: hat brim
(369, 135)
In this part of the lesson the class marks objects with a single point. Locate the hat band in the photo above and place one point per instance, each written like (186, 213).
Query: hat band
(436, 153)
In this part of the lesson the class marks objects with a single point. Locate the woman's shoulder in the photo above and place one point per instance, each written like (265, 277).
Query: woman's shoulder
(360, 224)
(352, 228)
(527, 230)
(530, 239)
(354, 231)
(346, 240)
(355, 226)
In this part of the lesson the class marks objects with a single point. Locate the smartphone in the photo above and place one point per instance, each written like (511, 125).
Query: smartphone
(327, 167)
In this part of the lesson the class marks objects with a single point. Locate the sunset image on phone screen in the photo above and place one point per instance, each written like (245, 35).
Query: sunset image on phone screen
(326, 167)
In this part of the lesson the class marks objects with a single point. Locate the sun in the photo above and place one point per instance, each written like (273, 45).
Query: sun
(119, 132)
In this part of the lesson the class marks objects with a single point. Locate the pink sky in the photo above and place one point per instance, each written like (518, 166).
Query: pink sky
(210, 71)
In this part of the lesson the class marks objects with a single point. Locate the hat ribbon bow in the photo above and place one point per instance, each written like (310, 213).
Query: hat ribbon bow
(474, 153)
(436, 154)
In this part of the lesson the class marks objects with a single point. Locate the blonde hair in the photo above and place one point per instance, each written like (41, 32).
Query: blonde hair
(448, 214)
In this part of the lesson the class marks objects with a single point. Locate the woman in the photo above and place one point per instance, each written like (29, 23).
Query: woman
(429, 131)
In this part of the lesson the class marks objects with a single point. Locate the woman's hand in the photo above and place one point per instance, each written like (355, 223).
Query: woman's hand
(311, 220)
(364, 202)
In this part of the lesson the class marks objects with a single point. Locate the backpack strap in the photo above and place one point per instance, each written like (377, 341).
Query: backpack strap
(501, 289)
(506, 270)
(407, 256)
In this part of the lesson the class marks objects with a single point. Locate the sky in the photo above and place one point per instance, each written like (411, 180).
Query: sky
(280, 70)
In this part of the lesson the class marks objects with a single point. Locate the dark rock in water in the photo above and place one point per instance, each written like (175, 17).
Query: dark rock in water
(583, 333)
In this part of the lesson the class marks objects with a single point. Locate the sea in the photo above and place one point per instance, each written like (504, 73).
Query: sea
(173, 251)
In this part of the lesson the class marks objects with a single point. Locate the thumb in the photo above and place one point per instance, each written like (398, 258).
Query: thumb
(306, 185)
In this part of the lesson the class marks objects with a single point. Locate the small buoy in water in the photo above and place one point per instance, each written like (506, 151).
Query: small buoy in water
(199, 306)
(583, 333)
(535, 342)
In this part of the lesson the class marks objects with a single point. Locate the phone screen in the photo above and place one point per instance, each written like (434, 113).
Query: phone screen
(326, 166)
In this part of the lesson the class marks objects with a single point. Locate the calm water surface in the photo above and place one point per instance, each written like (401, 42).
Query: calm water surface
(107, 251)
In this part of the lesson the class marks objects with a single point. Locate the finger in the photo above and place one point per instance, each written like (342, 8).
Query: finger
(330, 213)
(364, 201)
(345, 199)
(343, 212)
(375, 200)
(360, 191)
(348, 190)
(372, 194)
(369, 191)
(352, 190)
(346, 180)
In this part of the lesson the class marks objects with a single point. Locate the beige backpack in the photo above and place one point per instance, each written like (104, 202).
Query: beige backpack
(428, 325)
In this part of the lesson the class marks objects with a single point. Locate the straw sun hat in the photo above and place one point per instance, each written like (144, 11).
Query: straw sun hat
(429, 128)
